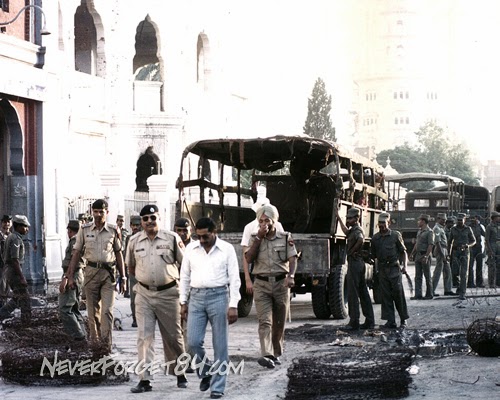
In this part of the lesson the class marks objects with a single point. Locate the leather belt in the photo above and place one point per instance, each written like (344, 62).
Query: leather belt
(100, 264)
(159, 288)
(276, 278)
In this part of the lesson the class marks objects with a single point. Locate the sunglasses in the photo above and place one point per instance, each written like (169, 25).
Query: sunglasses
(146, 218)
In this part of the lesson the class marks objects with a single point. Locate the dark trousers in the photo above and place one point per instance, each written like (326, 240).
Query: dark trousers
(20, 297)
(461, 261)
(391, 288)
(357, 292)
(476, 259)
(423, 268)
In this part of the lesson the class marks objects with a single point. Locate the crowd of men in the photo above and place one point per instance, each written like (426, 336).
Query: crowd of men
(183, 283)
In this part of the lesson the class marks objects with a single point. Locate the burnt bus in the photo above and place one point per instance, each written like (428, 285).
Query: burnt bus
(495, 199)
(406, 205)
(306, 179)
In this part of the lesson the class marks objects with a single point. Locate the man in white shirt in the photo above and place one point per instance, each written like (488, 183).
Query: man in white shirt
(209, 292)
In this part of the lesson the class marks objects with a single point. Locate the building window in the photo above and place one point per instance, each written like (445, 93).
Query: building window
(5, 5)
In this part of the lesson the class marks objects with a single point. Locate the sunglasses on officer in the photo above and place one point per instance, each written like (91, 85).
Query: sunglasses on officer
(146, 218)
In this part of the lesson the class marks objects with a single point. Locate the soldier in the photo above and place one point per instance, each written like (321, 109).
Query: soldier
(357, 291)
(183, 228)
(135, 226)
(13, 256)
(69, 300)
(275, 258)
(120, 220)
(154, 257)
(102, 247)
(476, 256)
(387, 247)
(450, 222)
(421, 253)
(493, 249)
(441, 254)
(4, 233)
(461, 239)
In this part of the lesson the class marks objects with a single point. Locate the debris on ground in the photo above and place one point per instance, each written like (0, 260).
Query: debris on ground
(483, 336)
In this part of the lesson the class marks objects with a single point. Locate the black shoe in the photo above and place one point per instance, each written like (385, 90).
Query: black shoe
(276, 360)
(436, 295)
(182, 382)
(403, 325)
(461, 298)
(205, 383)
(142, 386)
(449, 293)
(416, 298)
(134, 324)
(189, 370)
(216, 395)
(428, 297)
(367, 325)
(351, 327)
(389, 325)
(266, 362)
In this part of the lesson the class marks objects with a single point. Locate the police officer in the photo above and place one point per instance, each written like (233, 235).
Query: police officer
(4, 233)
(135, 226)
(387, 247)
(357, 291)
(154, 256)
(441, 254)
(274, 256)
(102, 247)
(13, 256)
(493, 249)
(461, 239)
(182, 227)
(69, 300)
(421, 253)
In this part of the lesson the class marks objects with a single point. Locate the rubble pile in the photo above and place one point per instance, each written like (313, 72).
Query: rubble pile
(41, 353)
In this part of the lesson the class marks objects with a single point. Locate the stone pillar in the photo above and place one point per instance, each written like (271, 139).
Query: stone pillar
(158, 189)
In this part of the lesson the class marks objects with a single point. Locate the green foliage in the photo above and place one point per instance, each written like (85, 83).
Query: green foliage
(435, 152)
(319, 105)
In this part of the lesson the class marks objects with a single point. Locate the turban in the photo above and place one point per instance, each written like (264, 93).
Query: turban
(270, 211)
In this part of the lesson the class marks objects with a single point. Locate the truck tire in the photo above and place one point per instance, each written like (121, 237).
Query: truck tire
(246, 301)
(319, 296)
(338, 292)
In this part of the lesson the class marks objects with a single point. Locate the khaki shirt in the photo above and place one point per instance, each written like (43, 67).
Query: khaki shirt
(273, 255)
(156, 261)
(14, 248)
(98, 246)
(68, 253)
(461, 236)
(425, 238)
(387, 248)
(493, 233)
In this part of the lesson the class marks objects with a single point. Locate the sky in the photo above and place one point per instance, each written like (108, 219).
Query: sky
(282, 47)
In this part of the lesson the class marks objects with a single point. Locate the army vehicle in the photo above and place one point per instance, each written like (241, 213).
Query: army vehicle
(306, 179)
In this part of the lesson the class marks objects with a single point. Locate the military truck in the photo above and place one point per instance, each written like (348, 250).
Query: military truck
(306, 179)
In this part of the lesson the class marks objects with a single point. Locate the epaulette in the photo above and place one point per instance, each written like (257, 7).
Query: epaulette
(115, 227)
(87, 225)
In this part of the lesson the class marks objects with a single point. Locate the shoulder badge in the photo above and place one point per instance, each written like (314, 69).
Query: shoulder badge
(87, 225)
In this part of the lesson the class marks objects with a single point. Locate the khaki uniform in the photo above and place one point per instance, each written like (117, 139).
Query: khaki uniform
(69, 301)
(425, 238)
(460, 239)
(99, 248)
(14, 249)
(156, 265)
(271, 296)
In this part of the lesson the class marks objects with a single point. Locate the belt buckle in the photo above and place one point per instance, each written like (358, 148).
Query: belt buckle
(272, 279)
(153, 288)
(98, 264)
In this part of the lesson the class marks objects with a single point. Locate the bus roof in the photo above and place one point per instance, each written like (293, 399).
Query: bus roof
(421, 176)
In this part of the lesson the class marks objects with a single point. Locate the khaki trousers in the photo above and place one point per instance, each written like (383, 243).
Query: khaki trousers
(271, 302)
(100, 297)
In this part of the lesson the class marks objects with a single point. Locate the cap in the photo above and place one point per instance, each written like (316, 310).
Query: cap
(149, 209)
(384, 217)
(73, 224)
(182, 223)
(100, 204)
(441, 216)
(461, 216)
(451, 218)
(353, 212)
(119, 216)
(21, 219)
(82, 216)
(6, 218)
(135, 220)
(495, 214)
(425, 217)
